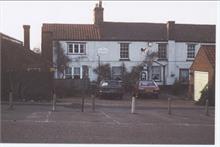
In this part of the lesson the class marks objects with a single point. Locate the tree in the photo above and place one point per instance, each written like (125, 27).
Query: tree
(62, 60)
(149, 59)
(103, 71)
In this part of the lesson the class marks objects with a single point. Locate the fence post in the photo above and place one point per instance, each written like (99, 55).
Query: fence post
(169, 106)
(10, 100)
(93, 103)
(133, 105)
(54, 102)
(82, 108)
(207, 107)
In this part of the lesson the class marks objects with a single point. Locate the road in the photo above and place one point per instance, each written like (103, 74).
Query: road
(108, 125)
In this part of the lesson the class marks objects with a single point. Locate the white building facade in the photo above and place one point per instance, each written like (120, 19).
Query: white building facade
(126, 43)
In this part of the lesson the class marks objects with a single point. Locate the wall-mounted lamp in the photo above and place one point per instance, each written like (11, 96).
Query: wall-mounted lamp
(149, 44)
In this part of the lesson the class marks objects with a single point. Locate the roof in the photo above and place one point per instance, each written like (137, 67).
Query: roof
(210, 53)
(127, 31)
(73, 31)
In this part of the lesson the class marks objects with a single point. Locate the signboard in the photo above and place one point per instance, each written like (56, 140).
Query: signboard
(102, 51)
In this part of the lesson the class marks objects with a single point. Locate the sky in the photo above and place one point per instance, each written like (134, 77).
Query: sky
(13, 15)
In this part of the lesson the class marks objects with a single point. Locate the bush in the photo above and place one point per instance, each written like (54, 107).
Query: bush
(207, 93)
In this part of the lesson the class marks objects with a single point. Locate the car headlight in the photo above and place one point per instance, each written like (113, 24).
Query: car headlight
(104, 84)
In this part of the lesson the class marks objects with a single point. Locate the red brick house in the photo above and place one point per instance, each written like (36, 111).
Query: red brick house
(202, 71)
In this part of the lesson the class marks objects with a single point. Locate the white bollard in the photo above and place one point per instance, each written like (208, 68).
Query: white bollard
(133, 105)
(54, 102)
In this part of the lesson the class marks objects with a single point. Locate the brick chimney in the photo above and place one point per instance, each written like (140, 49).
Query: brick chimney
(98, 13)
(26, 36)
(171, 30)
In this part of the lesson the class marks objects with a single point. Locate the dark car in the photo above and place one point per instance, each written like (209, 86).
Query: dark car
(111, 88)
(147, 87)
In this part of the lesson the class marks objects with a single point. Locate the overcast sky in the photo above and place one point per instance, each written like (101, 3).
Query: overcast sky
(15, 14)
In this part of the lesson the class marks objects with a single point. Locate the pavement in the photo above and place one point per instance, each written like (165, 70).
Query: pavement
(110, 123)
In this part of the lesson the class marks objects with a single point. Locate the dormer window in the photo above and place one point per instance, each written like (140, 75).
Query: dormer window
(76, 48)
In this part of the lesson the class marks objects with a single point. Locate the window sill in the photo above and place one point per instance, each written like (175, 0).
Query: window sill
(162, 59)
(124, 60)
(189, 60)
(76, 54)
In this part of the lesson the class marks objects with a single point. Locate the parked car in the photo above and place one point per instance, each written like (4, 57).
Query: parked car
(147, 87)
(111, 88)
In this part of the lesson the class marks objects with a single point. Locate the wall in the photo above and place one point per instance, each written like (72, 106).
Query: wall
(176, 55)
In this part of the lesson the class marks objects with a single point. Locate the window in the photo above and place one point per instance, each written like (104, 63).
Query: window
(70, 48)
(76, 73)
(68, 73)
(124, 50)
(191, 50)
(76, 48)
(184, 75)
(162, 51)
(116, 72)
(156, 73)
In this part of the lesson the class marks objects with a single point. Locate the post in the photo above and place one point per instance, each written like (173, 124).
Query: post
(207, 107)
(93, 103)
(82, 108)
(169, 106)
(133, 105)
(54, 102)
(10, 100)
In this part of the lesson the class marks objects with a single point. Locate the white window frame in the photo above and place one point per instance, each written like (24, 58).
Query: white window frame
(191, 50)
(163, 50)
(79, 45)
(67, 74)
(76, 74)
(124, 50)
(159, 67)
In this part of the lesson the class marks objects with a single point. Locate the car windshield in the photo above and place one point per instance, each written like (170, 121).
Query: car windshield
(147, 83)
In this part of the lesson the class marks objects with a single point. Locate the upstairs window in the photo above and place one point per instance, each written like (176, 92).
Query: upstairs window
(191, 50)
(162, 51)
(124, 50)
(76, 48)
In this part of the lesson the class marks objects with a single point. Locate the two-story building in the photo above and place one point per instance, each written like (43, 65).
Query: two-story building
(126, 42)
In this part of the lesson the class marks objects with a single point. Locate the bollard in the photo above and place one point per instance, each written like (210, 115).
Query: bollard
(10, 100)
(169, 106)
(82, 108)
(207, 107)
(133, 105)
(93, 103)
(54, 102)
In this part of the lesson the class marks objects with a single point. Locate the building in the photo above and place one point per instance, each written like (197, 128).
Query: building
(125, 42)
(202, 71)
(17, 59)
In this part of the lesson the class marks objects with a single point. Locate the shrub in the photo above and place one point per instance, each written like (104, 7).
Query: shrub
(177, 88)
(207, 93)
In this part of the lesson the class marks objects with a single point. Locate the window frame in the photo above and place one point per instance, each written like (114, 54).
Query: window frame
(160, 78)
(76, 74)
(180, 73)
(190, 51)
(79, 45)
(164, 52)
(70, 75)
(123, 51)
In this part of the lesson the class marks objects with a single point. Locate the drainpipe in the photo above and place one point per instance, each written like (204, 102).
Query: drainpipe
(164, 80)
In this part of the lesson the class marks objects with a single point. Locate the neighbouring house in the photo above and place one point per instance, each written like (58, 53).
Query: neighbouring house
(202, 71)
(116, 43)
(20, 66)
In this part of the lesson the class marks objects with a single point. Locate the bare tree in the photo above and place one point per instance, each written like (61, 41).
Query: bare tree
(62, 60)
(149, 59)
